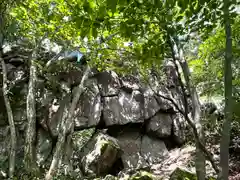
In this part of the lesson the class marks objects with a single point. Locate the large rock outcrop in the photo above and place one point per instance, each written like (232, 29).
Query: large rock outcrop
(140, 123)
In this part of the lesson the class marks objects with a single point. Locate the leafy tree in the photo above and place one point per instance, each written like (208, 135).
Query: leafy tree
(164, 18)
(211, 55)
(157, 30)
(154, 29)
(37, 22)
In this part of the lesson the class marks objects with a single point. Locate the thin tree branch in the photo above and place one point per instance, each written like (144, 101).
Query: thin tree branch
(12, 153)
(188, 119)
(192, 125)
(67, 126)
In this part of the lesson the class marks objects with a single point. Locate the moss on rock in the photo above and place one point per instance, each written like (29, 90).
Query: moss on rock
(107, 177)
(183, 174)
(142, 175)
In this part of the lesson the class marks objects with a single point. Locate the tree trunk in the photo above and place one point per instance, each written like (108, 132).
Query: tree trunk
(200, 161)
(12, 153)
(224, 145)
(13, 138)
(30, 142)
(68, 149)
(66, 128)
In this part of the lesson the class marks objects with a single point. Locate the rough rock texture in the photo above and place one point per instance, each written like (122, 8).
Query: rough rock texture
(179, 158)
(4, 151)
(55, 112)
(99, 155)
(108, 177)
(140, 151)
(109, 101)
(44, 146)
(160, 125)
(89, 108)
(4, 139)
(153, 150)
(181, 173)
(130, 143)
(142, 175)
(179, 128)
(123, 109)
(109, 83)
(154, 103)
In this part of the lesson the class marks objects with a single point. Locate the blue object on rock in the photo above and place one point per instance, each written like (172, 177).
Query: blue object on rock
(70, 55)
(74, 54)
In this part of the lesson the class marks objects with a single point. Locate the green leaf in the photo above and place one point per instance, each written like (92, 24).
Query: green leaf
(94, 31)
(112, 5)
(179, 18)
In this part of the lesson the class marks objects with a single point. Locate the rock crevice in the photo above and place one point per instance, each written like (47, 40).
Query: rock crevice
(139, 123)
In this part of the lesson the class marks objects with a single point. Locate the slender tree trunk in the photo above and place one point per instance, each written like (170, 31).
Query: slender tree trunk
(66, 128)
(13, 143)
(200, 161)
(12, 153)
(68, 149)
(30, 142)
(224, 145)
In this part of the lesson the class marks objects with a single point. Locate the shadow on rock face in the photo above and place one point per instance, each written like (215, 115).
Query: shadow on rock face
(117, 167)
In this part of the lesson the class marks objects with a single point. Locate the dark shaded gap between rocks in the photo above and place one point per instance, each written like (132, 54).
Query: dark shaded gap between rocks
(117, 167)
(117, 130)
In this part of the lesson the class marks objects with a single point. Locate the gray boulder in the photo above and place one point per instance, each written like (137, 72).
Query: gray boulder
(141, 151)
(44, 146)
(151, 105)
(171, 74)
(184, 173)
(89, 108)
(130, 143)
(153, 150)
(179, 128)
(154, 103)
(4, 149)
(100, 154)
(109, 83)
(123, 109)
(160, 125)
(57, 111)
(4, 139)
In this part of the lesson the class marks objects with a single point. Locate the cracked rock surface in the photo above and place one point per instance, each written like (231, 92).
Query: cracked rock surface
(134, 121)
